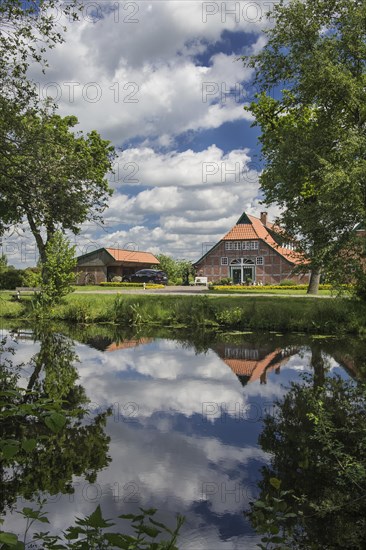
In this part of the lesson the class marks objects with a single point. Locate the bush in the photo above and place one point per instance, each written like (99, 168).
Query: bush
(225, 281)
(130, 285)
(32, 277)
(287, 282)
(11, 278)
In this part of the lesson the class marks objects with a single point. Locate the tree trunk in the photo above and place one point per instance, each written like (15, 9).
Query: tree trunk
(39, 241)
(318, 365)
(313, 287)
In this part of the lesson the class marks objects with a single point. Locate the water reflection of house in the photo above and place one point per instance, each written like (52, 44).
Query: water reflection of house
(250, 364)
(127, 344)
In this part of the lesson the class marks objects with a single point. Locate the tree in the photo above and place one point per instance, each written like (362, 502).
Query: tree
(58, 269)
(177, 270)
(3, 263)
(314, 135)
(27, 30)
(313, 492)
(44, 442)
(57, 176)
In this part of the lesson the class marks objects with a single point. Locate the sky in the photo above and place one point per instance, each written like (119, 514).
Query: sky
(163, 80)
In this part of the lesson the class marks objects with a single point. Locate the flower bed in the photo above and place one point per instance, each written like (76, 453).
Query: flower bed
(264, 288)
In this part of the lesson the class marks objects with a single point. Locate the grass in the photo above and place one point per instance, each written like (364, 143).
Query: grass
(228, 290)
(268, 313)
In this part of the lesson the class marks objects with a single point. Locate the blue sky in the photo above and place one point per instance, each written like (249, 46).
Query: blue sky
(161, 79)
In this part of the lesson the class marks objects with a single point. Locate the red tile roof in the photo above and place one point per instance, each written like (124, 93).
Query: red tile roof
(255, 370)
(256, 230)
(132, 256)
(127, 344)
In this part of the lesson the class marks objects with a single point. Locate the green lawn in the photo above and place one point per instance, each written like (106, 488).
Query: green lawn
(244, 290)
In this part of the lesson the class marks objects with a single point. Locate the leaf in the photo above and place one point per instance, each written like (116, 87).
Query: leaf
(150, 531)
(9, 451)
(29, 445)
(119, 541)
(8, 538)
(96, 519)
(55, 422)
(276, 483)
(259, 504)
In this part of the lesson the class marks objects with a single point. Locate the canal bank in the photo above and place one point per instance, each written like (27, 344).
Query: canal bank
(269, 313)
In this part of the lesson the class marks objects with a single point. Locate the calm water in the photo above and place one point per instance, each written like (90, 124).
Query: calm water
(184, 419)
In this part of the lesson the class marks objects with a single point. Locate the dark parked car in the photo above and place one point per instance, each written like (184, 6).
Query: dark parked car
(148, 276)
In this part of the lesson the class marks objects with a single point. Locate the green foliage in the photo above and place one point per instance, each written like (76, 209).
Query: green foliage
(3, 263)
(11, 278)
(32, 277)
(287, 282)
(131, 285)
(230, 317)
(57, 270)
(317, 441)
(28, 29)
(313, 137)
(41, 423)
(63, 190)
(178, 271)
(225, 281)
(94, 533)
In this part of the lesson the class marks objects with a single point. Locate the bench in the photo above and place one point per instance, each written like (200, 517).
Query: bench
(200, 281)
(25, 291)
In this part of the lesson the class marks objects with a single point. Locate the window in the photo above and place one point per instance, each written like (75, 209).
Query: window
(224, 261)
(250, 245)
(259, 260)
(233, 245)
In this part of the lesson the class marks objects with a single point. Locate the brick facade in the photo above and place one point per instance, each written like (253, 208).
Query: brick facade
(249, 251)
(275, 268)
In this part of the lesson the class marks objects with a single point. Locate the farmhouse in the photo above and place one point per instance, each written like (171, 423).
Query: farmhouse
(105, 263)
(251, 252)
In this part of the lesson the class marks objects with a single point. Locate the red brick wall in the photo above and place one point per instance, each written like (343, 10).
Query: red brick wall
(274, 270)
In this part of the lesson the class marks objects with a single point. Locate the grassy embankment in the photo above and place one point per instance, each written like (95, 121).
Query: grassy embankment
(284, 314)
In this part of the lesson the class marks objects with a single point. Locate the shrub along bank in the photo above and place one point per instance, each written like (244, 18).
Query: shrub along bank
(268, 313)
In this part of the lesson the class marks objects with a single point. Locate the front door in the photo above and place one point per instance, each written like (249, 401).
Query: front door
(236, 275)
(248, 275)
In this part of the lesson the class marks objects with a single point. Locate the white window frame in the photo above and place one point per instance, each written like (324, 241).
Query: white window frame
(224, 260)
(254, 245)
(259, 260)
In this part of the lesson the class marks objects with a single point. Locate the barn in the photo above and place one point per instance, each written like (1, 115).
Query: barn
(104, 264)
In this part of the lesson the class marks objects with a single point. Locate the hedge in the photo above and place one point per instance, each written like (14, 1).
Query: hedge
(269, 287)
(131, 285)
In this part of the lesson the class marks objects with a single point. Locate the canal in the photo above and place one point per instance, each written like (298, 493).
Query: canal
(156, 419)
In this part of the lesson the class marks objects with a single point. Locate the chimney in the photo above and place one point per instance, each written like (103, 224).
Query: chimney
(264, 218)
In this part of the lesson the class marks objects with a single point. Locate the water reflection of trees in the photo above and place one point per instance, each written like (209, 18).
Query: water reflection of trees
(317, 442)
(78, 449)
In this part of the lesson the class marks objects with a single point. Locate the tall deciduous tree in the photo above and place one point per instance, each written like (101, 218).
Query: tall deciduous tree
(27, 29)
(55, 177)
(314, 135)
